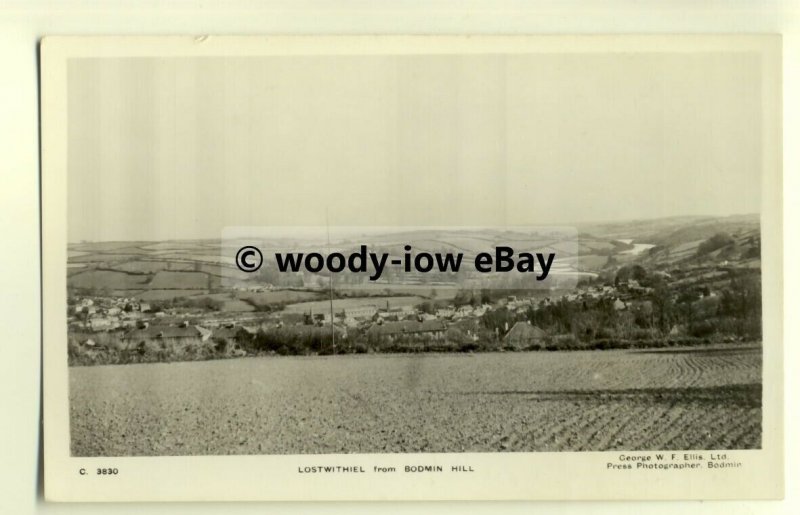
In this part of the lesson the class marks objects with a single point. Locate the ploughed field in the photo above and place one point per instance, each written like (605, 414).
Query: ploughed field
(675, 398)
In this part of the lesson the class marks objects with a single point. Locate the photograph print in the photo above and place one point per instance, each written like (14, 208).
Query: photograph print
(623, 190)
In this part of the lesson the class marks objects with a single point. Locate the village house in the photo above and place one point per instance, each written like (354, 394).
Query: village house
(226, 332)
(182, 334)
(405, 309)
(446, 312)
(99, 323)
(523, 336)
(463, 311)
(408, 329)
(360, 311)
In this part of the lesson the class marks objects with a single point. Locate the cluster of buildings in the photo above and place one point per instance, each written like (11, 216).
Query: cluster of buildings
(136, 321)
(107, 313)
(367, 315)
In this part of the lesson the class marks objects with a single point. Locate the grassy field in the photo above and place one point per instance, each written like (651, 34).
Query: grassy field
(687, 398)
(151, 295)
(107, 279)
(266, 298)
(179, 280)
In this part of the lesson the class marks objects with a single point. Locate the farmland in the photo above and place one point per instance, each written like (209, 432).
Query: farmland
(179, 280)
(675, 398)
(107, 279)
(281, 296)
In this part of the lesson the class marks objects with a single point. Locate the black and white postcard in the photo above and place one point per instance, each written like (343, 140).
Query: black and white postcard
(420, 268)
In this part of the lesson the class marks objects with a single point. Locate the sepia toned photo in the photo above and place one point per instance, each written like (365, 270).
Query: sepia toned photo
(478, 250)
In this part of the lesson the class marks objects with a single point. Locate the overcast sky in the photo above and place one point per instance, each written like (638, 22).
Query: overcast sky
(166, 148)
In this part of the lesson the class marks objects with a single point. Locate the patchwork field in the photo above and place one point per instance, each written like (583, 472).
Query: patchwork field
(107, 279)
(151, 295)
(687, 398)
(179, 280)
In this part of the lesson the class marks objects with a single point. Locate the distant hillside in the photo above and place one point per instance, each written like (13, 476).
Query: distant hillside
(674, 230)
(673, 240)
(168, 269)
